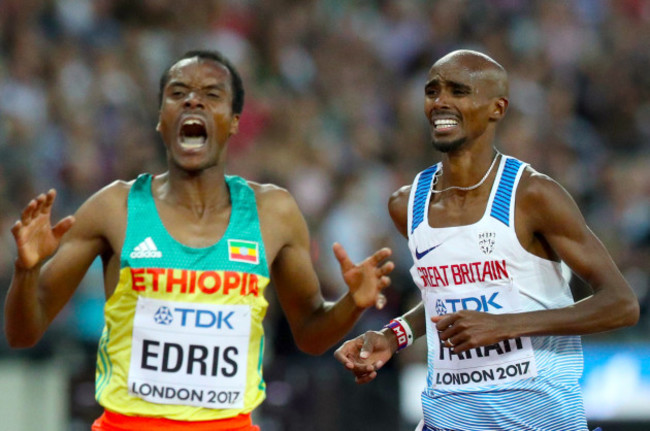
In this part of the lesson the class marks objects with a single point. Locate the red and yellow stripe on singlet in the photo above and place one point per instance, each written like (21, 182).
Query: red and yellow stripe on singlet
(111, 421)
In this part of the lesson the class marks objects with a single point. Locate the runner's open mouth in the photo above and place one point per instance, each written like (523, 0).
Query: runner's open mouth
(193, 134)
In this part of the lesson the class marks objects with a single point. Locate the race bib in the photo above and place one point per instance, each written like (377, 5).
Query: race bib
(505, 361)
(190, 354)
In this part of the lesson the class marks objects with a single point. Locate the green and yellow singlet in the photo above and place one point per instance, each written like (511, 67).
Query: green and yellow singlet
(183, 338)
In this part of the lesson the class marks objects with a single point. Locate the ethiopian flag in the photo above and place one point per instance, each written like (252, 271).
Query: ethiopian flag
(243, 251)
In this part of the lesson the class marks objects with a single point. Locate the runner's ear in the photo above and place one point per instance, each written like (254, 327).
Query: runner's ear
(499, 108)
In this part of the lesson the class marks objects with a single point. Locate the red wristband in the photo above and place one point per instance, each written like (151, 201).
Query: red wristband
(402, 331)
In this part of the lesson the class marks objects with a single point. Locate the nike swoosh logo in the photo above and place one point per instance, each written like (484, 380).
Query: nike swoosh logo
(420, 255)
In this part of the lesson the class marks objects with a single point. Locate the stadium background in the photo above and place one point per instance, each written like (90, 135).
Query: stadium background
(333, 112)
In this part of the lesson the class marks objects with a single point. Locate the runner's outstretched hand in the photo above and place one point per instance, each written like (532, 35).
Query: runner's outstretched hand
(367, 279)
(36, 238)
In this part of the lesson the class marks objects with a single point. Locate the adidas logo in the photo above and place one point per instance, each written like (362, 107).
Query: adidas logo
(145, 250)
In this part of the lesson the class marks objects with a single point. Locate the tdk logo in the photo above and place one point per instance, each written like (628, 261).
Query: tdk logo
(163, 316)
(204, 318)
(440, 307)
(480, 303)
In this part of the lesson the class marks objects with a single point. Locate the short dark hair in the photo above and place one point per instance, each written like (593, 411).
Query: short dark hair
(217, 57)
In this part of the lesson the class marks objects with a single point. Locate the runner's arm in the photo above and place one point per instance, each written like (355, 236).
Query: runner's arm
(367, 353)
(51, 263)
(317, 324)
(549, 212)
(554, 215)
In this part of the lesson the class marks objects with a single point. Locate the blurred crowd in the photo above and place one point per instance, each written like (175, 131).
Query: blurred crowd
(333, 113)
